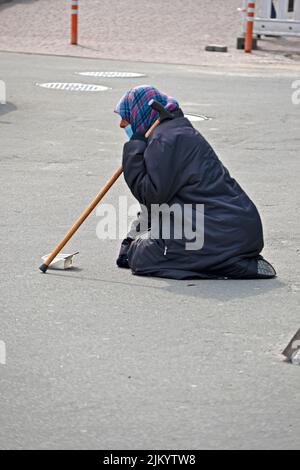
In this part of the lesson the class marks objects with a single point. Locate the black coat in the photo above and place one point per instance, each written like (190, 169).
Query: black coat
(177, 165)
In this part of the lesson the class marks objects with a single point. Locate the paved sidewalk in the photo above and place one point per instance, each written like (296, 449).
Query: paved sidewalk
(158, 31)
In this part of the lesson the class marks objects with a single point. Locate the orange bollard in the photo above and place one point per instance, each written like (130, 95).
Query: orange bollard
(250, 20)
(74, 22)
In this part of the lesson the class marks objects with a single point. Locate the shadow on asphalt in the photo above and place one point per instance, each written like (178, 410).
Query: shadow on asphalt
(223, 290)
(281, 46)
(79, 46)
(11, 3)
(7, 108)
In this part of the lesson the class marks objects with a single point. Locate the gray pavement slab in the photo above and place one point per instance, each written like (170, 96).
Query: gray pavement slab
(98, 358)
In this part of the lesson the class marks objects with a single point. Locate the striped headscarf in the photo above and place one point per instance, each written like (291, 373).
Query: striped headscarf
(134, 108)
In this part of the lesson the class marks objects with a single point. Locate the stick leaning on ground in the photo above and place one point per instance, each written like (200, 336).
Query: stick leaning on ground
(44, 267)
(81, 219)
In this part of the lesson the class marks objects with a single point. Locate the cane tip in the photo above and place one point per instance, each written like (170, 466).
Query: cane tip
(43, 268)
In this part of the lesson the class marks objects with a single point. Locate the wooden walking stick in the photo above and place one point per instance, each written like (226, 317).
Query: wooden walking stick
(81, 219)
(164, 114)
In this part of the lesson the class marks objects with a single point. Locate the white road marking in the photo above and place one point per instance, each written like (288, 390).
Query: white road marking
(196, 117)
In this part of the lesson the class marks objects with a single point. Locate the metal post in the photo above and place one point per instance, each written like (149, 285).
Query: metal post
(250, 20)
(74, 22)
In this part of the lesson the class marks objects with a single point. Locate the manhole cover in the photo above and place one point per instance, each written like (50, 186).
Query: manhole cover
(112, 74)
(73, 86)
(197, 117)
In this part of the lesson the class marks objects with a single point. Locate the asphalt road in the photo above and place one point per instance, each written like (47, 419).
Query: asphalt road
(97, 358)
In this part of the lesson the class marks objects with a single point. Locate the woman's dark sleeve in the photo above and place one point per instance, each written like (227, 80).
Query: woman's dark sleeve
(151, 172)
